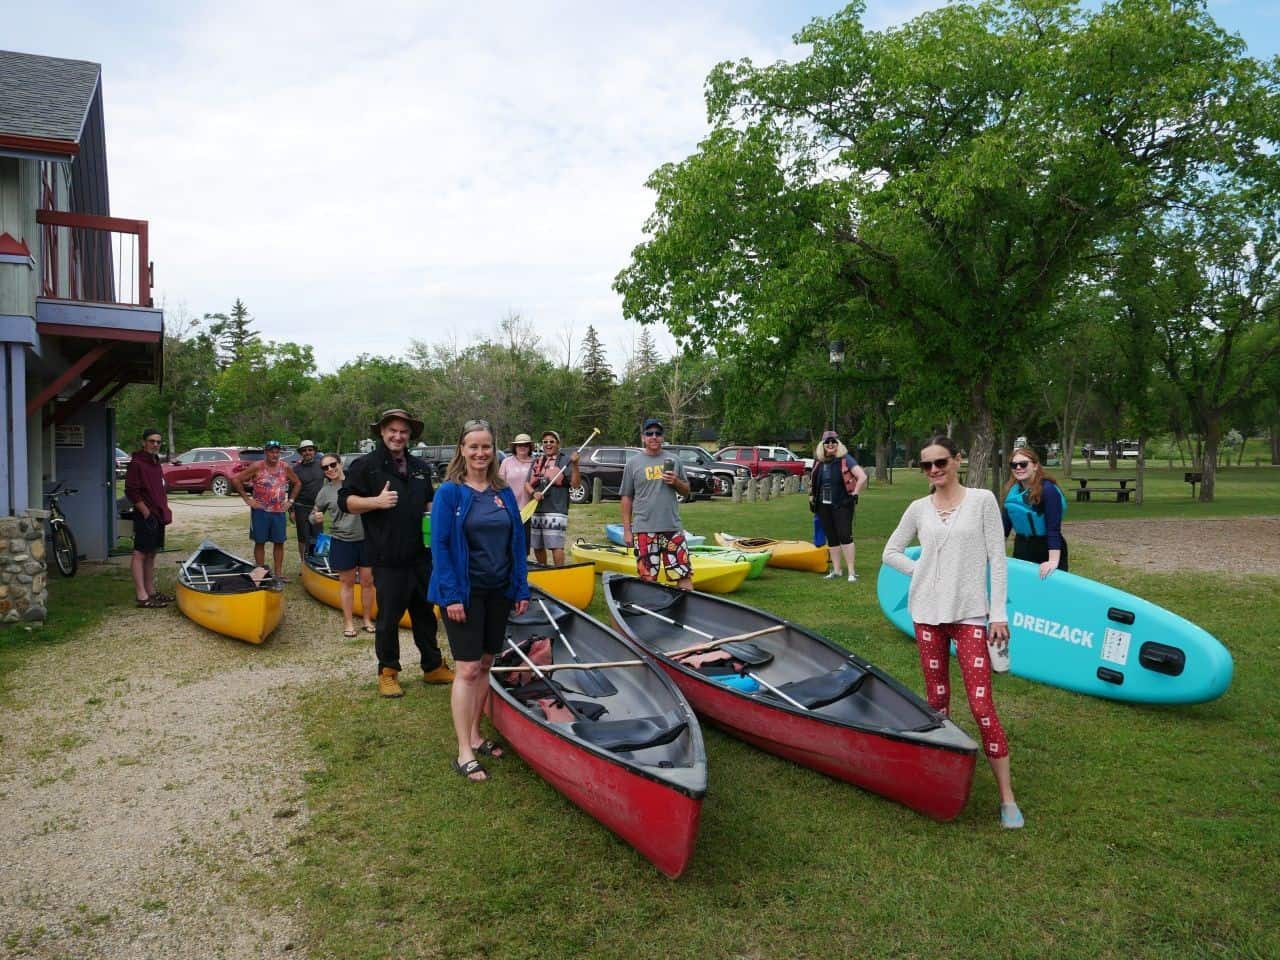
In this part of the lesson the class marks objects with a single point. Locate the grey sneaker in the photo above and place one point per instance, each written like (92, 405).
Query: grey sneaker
(833, 575)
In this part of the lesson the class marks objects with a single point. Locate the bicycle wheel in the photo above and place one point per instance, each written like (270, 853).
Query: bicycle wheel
(65, 554)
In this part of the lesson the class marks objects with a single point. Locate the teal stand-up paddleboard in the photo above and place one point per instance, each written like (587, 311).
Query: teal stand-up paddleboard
(1078, 634)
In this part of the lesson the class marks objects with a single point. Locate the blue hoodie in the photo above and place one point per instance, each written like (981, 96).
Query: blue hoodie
(450, 571)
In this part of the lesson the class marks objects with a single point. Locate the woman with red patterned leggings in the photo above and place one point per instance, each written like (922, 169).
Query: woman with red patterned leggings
(961, 547)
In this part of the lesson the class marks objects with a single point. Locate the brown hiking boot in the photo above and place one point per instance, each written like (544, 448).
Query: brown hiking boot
(440, 674)
(388, 685)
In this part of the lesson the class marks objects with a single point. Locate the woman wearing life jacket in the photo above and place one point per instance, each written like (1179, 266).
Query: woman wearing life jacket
(833, 496)
(959, 587)
(1033, 507)
(478, 578)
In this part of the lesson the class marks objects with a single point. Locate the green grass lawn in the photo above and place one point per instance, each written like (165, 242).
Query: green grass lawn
(1151, 831)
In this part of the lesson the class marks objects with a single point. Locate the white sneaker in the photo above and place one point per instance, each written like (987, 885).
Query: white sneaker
(833, 575)
(853, 578)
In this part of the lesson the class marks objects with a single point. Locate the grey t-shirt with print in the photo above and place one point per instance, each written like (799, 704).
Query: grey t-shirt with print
(653, 508)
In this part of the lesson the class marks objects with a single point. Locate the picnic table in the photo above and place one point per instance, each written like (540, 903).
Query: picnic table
(1106, 486)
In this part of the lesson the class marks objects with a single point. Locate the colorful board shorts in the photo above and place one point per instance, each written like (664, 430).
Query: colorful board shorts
(657, 550)
(548, 531)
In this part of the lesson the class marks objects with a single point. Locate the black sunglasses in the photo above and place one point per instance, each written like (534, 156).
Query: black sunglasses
(328, 466)
(653, 433)
(830, 443)
(1019, 464)
(927, 465)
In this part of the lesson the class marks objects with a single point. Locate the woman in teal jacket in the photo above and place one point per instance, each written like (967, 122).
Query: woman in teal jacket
(479, 576)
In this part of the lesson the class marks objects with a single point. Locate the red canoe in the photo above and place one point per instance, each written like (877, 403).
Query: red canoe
(846, 718)
(640, 768)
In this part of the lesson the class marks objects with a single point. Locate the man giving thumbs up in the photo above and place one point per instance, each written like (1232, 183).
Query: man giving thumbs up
(391, 490)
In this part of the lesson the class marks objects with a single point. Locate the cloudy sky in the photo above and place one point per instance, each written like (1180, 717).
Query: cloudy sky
(362, 174)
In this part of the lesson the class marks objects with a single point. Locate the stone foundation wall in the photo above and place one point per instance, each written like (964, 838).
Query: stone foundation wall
(24, 595)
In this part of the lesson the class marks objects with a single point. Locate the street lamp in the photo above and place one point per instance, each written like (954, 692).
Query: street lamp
(892, 451)
(835, 353)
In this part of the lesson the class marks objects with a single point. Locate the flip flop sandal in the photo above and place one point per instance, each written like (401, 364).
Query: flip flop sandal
(350, 634)
(465, 770)
(162, 597)
(490, 748)
(369, 629)
(152, 603)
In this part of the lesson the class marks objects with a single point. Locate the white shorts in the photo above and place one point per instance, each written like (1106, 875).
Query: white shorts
(548, 531)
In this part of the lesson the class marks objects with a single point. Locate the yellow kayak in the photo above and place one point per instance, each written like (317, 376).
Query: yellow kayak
(574, 583)
(791, 554)
(322, 583)
(709, 575)
(220, 592)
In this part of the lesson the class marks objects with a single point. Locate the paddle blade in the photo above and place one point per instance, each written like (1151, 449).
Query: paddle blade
(593, 683)
(528, 510)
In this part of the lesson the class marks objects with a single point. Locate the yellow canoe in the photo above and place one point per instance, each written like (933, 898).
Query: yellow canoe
(791, 554)
(574, 583)
(323, 584)
(216, 591)
(709, 575)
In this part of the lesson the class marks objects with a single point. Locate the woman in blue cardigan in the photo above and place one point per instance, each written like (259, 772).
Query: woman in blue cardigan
(478, 578)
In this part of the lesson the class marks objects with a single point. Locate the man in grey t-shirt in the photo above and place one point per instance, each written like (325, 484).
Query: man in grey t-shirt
(650, 516)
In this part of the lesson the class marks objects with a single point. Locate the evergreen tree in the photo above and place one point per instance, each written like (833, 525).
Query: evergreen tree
(597, 385)
(233, 333)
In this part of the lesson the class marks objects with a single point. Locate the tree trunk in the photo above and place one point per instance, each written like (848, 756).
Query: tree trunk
(982, 449)
(882, 458)
(172, 448)
(1275, 444)
(1209, 460)
(1142, 469)
(1068, 451)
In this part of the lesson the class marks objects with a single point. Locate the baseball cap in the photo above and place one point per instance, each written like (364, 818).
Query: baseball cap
(652, 422)
(271, 443)
(830, 435)
(550, 433)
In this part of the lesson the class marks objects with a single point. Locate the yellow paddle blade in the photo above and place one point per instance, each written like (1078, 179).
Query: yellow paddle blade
(528, 510)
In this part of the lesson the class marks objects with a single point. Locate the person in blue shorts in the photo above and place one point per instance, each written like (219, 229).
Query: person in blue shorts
(348, 552)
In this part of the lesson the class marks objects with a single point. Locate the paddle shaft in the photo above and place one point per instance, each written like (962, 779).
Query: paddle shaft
(593, 684)
(555, 692)
(774, 690)
(549, 668)
(713, 640)
(532, 505)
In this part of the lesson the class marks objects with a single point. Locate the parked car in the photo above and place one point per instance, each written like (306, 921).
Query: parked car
(722, 474)
(607, 463)
(208, 468)
(763, 461)
(786, 455)
(437, 455)
(122, 463)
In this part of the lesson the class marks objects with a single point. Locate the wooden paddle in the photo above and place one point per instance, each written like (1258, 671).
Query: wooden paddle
(593, 684)
(530, 508)
(549, 668)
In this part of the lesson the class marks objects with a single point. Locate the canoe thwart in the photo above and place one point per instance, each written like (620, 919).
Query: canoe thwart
(549, 667)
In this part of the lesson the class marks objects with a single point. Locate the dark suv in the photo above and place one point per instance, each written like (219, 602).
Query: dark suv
(437, 455)
(722, 473)
(607, 463)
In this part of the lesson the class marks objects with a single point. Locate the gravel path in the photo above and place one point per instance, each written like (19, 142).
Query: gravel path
(149, 768)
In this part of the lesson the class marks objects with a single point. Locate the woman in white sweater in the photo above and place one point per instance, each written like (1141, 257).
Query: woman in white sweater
(961, 542)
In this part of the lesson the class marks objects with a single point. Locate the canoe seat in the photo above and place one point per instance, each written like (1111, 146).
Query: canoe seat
(635, 734)
(533, 615)
(825, 688)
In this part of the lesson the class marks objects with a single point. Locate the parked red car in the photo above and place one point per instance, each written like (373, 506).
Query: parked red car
(763, 461)
(208, 468)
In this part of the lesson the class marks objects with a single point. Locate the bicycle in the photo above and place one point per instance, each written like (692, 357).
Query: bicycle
(62, 541)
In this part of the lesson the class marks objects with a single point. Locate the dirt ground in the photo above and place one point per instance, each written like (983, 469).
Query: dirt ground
(148, 768)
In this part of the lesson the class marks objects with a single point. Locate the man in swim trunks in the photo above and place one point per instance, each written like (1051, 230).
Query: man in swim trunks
(650, 515)
(275, 488)
(549, 526)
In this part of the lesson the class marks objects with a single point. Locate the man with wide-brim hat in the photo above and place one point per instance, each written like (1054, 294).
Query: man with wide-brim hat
(391, 490)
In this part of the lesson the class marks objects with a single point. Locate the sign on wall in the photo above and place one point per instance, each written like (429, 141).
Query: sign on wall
(69, 435)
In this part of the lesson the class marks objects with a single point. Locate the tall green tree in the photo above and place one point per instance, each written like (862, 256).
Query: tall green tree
(597, 386)
(233, 333)
(942, 182)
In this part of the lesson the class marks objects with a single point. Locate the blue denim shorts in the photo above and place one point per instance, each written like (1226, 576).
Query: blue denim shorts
(266, 527)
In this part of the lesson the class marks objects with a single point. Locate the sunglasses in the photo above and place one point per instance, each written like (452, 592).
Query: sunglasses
(830, 443)
(328, 466)
(1019, 464)
(653, 433)
(927, 465)
(475, 425)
